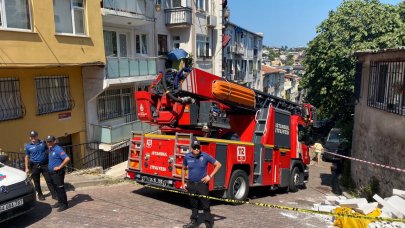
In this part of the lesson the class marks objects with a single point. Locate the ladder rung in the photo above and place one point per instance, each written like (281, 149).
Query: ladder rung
(136, 159)
(256, 174)
(181, 154)
(176, 175)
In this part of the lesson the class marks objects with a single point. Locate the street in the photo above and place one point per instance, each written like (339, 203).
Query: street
(130, 205)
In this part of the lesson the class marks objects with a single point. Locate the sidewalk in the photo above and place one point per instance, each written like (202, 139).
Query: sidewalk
(89, 177)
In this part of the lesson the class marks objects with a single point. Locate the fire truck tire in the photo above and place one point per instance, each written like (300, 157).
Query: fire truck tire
(294, 180)
(238, 188)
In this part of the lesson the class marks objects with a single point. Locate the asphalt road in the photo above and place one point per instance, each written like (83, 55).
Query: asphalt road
(129, 205)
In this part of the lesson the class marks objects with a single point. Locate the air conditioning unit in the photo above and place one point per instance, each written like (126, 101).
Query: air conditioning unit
(211, 21)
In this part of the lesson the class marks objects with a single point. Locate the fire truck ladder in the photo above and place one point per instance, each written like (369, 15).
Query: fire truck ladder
(180, 150)
(138, 146)
(260, 130)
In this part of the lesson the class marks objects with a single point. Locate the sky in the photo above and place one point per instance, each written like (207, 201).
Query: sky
(284, 22)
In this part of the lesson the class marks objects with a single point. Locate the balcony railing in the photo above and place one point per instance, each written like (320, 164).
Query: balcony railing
(137, 7)
(119, 133)
(130, 67)
(178, 16)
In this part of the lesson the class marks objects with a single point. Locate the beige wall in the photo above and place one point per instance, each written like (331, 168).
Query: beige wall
(14, 133)
(42, 46)
(378, 136)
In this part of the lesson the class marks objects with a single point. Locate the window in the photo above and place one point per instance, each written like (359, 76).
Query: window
(141, 44)
(116, 44)
(173, 4)
(176, 42)
(53, 94)
(203, 46)
(162, 44)
(69, 16)
(10, 100)
(386, 89)
(115, 103)
(250, 66)
(15, 14)
(202, 5)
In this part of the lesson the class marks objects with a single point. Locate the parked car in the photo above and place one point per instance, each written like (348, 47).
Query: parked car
(335, 143)
(17, 194)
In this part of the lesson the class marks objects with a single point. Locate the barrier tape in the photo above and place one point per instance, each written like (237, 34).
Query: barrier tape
(367, 162)
(380, 219)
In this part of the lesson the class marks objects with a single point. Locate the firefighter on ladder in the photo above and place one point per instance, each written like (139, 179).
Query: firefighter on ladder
(196, 162)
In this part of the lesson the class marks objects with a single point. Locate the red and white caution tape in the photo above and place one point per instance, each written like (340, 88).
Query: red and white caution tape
(367, 162)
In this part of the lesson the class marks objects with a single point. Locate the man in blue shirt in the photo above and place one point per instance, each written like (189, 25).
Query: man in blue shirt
(196, 162)
(36, 162)
(57, 162)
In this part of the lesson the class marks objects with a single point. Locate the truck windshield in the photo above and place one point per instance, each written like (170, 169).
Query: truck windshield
(334, 137)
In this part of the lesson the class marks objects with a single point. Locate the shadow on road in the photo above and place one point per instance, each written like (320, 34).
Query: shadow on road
(79, 198)
(40, 211)
(169, 197)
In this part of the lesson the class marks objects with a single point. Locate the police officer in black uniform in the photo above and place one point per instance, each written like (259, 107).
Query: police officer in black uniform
(36, 162)
(196, 162)
(58, 159)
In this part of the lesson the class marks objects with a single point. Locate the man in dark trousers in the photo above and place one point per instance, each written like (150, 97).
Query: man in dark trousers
(196, 162)
(336, 169)
(36, 162)
(57, 162)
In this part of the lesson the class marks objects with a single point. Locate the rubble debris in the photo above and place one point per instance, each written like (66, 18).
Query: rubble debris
(397, 192)
(394, 211)
(390, 207)
(352, 203)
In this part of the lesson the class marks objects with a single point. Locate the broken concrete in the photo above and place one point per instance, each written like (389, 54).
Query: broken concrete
(397, 192)
(366, 208)
(389, 206)
(352, 203)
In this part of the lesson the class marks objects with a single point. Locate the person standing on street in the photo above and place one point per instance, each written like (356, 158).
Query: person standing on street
(196, 162)
(36, 162)
(318, 151)
(57, 162)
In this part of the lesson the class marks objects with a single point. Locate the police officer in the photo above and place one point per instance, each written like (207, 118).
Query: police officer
(36, 162)
(196, 162)
(57, 161)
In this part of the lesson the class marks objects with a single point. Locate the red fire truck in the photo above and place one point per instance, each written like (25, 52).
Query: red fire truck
(258, 138)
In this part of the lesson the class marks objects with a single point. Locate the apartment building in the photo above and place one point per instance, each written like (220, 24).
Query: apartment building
(138, 34)
(242, 55)
(46, 50)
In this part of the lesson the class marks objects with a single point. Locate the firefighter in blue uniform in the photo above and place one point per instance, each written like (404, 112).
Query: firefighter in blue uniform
(57, 162)
(196, 162)
(36, 162)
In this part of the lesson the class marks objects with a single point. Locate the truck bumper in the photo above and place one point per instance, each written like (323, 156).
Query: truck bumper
(157, 181)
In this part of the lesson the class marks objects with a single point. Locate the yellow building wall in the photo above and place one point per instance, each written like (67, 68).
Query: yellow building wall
(14, 133)
(43, 46)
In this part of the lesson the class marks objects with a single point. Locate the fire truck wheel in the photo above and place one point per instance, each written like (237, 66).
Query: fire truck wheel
(294, 180)
(238, 187)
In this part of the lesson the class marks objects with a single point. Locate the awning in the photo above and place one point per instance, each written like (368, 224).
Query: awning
(225, 40)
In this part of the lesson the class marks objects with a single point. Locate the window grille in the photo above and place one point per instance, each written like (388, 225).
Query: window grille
(115, 103)
(386, 89)
(53, 94)
(11, 106)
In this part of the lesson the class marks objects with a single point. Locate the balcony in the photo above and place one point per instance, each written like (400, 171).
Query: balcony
(178, 17)
(115, 134)
(128, 12)
(118, 67)
(238, 49)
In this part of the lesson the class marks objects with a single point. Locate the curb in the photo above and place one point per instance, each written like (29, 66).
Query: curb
(71, 186)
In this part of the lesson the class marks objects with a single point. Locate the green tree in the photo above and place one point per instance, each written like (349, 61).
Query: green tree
(329, 62)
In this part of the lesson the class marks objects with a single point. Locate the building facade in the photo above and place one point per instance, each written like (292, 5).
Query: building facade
(138, 34)
(273, 81)
(242, 55)
(46, 48)
(379, 120)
